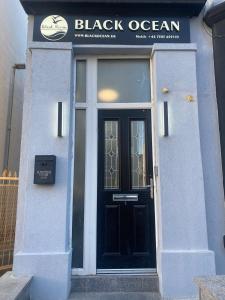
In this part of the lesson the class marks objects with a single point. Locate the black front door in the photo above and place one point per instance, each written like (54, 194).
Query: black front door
(126, 225)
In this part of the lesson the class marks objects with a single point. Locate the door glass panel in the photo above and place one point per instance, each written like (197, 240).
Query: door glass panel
(123, 80)
(81, 81)
(138, 155)
(111, 176)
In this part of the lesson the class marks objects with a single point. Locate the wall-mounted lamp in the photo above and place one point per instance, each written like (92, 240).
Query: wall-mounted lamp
(165, 119)
(60, 118)
(165, 90)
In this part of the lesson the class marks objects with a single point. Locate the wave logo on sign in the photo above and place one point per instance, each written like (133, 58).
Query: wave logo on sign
(54, 28)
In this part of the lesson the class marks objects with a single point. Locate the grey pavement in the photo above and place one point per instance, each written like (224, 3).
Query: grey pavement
(116, 296)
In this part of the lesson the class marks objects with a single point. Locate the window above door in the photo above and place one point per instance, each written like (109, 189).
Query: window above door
(123, 81)
(113, 82)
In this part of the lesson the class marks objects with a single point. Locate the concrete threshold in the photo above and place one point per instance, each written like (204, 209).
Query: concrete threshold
(116, 296)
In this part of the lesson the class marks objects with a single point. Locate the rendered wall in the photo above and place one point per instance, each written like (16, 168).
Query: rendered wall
(180, 203)
(209, 138)
(43, 243)
(194, 224)
(13, 23)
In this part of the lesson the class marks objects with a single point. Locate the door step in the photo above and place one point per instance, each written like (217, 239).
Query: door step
(113, 296)
(115, 283)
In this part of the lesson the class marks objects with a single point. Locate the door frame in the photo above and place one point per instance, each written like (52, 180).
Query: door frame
(91, 158)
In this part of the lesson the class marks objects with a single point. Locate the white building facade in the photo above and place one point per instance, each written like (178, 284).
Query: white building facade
(13, 43)
(133, 126)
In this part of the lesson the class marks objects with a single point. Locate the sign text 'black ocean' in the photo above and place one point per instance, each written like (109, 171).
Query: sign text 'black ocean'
(85, 30)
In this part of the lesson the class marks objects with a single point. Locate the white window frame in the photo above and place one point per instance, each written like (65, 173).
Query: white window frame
(91, 167)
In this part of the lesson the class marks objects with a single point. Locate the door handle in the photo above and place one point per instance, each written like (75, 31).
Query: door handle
(151, 186)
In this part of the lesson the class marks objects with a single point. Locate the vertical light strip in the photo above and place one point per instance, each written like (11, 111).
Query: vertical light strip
(165, 118)
(60, 120)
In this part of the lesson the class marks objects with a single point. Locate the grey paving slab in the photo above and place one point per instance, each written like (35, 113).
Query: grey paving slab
(115, 296)
(211, 288)
(12, 287)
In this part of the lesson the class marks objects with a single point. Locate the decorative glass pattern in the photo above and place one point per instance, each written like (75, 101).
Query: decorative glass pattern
(111, 178)
(138, 155)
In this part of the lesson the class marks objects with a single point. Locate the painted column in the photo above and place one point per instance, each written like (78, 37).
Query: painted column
(180, 206)
(43, 246)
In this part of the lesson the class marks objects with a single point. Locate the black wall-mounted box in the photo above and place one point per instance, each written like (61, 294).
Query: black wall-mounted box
(44, 169)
